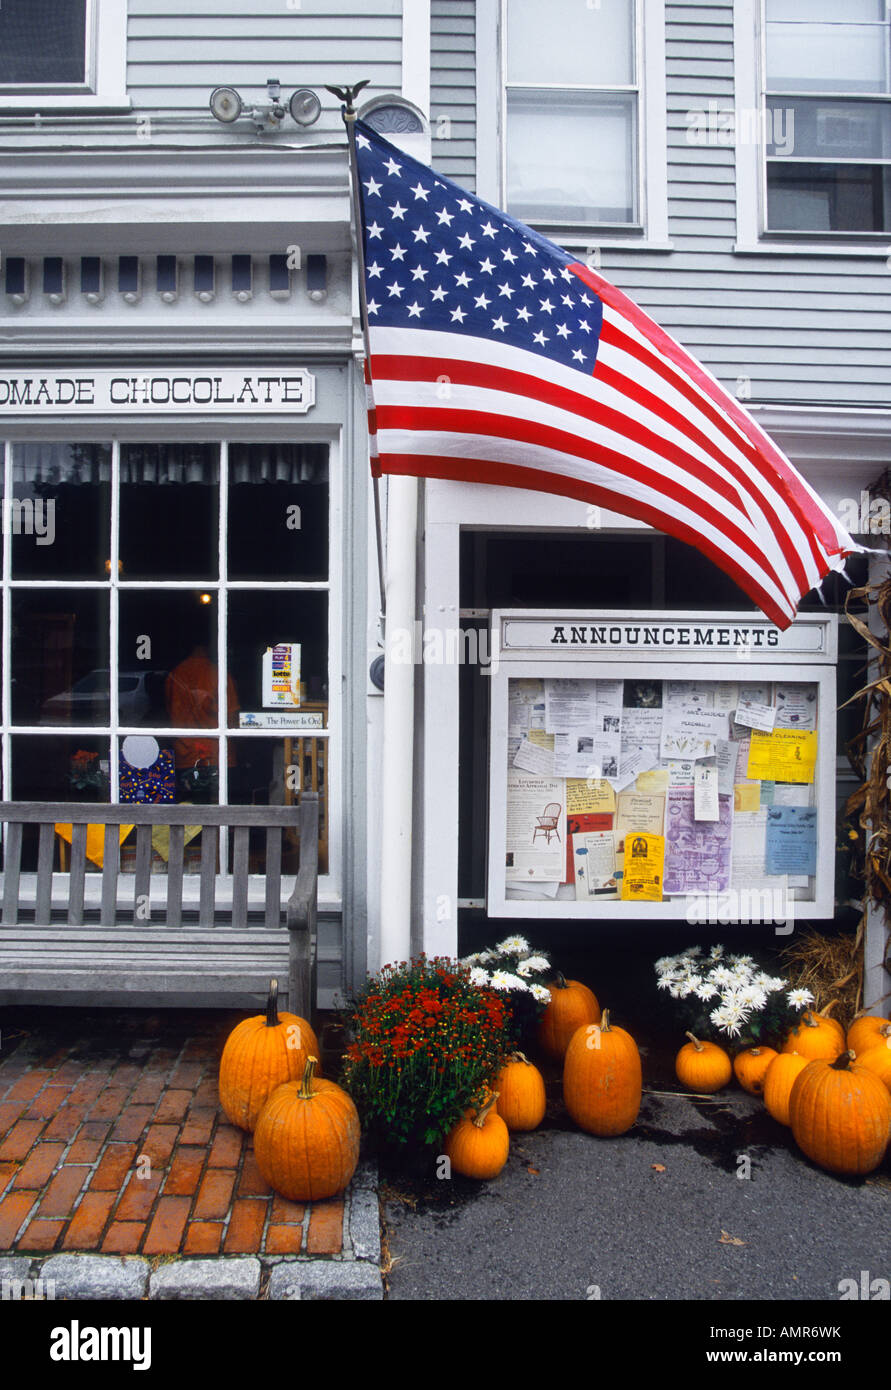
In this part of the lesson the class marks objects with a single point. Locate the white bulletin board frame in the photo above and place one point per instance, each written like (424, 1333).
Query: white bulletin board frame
(545, 644)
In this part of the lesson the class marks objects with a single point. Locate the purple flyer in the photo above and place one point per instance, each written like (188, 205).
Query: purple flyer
(697, 853)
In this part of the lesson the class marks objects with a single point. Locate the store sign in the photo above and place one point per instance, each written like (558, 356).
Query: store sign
(226, 391)
(707, 638)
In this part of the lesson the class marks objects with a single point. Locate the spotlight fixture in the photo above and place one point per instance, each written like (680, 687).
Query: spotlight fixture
(304, 105)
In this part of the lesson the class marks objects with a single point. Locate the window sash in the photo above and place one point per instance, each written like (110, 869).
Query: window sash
(85, 87)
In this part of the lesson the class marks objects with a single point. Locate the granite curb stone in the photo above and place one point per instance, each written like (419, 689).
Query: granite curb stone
(217, 1278)
(96, 1276)
(341, 1280)
(365, 1227)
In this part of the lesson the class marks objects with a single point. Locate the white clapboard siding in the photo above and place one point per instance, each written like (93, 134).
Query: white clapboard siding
(453, 89)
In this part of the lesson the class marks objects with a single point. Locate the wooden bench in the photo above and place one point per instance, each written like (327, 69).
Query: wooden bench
(148, 939)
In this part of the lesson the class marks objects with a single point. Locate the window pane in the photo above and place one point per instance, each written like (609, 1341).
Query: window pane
(827, 57)
(829, 129)
(60, 656)
(60, 514)
(827, 197)
(167, 661)
(42, 41)
(571, 157)
(278, 511)
(853, 12)
(259, 621)
(571, 42)
(170, 511)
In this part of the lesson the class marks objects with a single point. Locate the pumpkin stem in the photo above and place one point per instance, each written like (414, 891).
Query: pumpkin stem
(695, 1041)
(520, 1057)
(809, 1020)
(604, 1022)
(844, 1061)
(306, 1091)
(272, 1005)
(561, 981)
(479, 1118)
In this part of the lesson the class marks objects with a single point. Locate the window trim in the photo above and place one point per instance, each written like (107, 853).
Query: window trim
(652, 231)
(105, 87)
(752, 236)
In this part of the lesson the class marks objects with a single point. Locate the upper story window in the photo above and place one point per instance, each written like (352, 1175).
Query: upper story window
(571, 113)
(827, 116)
(62, 55)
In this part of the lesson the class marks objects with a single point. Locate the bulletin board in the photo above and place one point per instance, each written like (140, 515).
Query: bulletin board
(664, 766)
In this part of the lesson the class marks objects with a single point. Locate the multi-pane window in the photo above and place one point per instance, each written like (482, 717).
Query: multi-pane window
(44, 43)
(571, 112)
(827, 94)
(145, 588)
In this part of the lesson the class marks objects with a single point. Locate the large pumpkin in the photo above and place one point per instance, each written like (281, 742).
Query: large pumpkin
(307, 1138)
(602, 1078)
(816, 1037)
(750, 1068)
(702, 1066)
(521, 1093)
(479, 1144)
(778, 1082)
(868, 1032)
(841, 1115)
(572, 1005)
(260, 1054)
(877, 1059)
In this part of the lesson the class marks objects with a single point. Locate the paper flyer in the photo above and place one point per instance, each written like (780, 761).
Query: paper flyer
(749, 854)
(796, 706)
(747, 797)
(534, 840)
(594, 864)
(644, 865)
(636, 814)
(786, 755)
(697, 855)
(791, 842)
(531, 757)
(585, 823)
(281, 675)
(690, 735)
(705, 790)
(584, 795)
(750, 715)
(653, 782)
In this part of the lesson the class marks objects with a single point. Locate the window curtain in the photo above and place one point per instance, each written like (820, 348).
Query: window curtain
(52, 464)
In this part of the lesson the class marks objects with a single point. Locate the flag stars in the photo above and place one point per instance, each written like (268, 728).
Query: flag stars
(549, 275)
(414, 310)
(540, 338)
(420, 191)
(438, 294)
(465, 242)
(374, 189)
(562, 330)
(546, 306)
(421, 234)
(524, 314)
(372, 306)
(487, 266)
(374, 230)
(458, 315)
(443, 257)
(567, 300)
(586, 301)
(395, 289)
(499, 323)
(419, 273)
(463, 279)
(397, 252)
(482, 302)
(489, 230)
(362, 141)
(506, 289)
(374, 270)
(565, 274)
(584, 325)
(528, 282)
(530, 251)
(392, 167)
(445, 217)
(464, 205)
(398, 211)
(508, 255)
(578, 355)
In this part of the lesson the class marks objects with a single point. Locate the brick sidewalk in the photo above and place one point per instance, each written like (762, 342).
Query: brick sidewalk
(113, 1142)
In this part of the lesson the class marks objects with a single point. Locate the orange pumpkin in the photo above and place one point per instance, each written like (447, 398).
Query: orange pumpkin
(750, 1068)
(521, 1093)
(867, 1032)
(479, 1144)
(260, 1054)
(878, 1059)
(841, 1115)
(602, 1078)
(572, 1005)
(778, 1082)
(702, 1066)
(816, 1037)
(307, 1138)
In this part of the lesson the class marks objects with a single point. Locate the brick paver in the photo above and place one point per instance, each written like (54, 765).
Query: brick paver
(112, 1140)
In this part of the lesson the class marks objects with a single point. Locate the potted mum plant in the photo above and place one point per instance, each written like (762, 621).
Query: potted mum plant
(516, 971)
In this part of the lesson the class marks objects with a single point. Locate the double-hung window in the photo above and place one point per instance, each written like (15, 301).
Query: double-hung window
(576, 116)
(62, 55)
(827, 116)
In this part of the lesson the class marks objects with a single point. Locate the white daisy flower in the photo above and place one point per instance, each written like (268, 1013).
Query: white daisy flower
(503, 979)
(540, 993)
(666, 964)
(706, 991)
(777, 983)
(716, 953)
(721, 976)
(479, 977)
(800, 998)
(665, 983)
(471, 960)
(533, 965)
(512, 946)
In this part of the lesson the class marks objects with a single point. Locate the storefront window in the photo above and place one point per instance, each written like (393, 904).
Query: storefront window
(166, 610)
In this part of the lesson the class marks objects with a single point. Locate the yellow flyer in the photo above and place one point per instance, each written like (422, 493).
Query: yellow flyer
(653, 782)
(644, 862)
(584, 794)
(541, 739)
(786, 755)
(747, 796)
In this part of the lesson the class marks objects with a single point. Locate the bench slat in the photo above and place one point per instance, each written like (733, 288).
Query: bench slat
(273, 876)
(11, 868)
(209, 840)
(77, 874)
(175, 876)
(142, 887)
(110, 848)
(45, 847)
(239, 877)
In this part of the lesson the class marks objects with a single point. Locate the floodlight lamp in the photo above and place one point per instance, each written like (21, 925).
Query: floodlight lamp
(305, 107)
(225, 104)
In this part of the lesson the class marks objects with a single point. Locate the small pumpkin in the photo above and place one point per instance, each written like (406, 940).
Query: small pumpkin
(702, 1066)
(479, 1144)
(307, 1138)
(260, 1054)
(841, 1115)
(867, 1032)
(877, 1059)
(778, 1083)
(521, 1093)
(816, 1037)
(750, 1068)
(572, 1005)
(602, 1084)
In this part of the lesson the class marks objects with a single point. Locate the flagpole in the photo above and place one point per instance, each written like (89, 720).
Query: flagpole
(348, 112)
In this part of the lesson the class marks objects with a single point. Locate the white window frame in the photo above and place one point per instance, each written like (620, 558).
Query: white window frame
(330, 883)
(651, 234)
(752, 237)
(105, 87)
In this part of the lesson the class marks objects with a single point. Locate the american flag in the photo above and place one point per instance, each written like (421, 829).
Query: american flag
(497, 357)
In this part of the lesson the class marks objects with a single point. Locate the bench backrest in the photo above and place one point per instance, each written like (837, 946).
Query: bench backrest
(239, 820)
